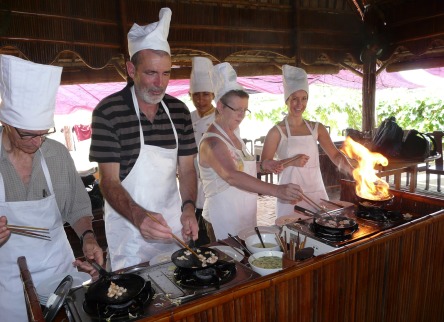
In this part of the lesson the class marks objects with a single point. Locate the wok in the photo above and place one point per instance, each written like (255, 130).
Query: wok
(182, 260)
(98, 291)
(375, 203)
(330, 225)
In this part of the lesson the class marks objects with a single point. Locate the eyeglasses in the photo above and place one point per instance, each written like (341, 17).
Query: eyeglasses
(29, 137)
(239, 111)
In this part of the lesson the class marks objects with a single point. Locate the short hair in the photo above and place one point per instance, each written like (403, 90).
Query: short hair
(234, 92)
(135, 58)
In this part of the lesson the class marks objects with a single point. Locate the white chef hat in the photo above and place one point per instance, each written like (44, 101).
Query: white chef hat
(200, 80)
(294, 79)
(153, 36)
(224, 79)
(28, 93)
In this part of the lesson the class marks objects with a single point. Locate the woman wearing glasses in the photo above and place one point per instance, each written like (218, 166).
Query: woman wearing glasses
(228, 170)
(295, 142)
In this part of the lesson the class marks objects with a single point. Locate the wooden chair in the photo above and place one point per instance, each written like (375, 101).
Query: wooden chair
(246, 141)
(33, 308)
(436, 166)
(268, 176)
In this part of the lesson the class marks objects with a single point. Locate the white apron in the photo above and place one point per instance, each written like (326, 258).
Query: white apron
(44, 258)
(232, 209)
(152, 184)
(308, 177)
(200, 126)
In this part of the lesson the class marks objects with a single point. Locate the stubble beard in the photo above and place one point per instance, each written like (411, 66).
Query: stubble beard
(145, 94)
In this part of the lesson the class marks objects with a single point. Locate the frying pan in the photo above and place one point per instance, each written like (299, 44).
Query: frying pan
(191, 261)
(320, 223)
(97, 291)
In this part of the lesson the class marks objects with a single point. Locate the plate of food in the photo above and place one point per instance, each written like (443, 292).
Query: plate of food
(161, 258)
(290, 219)
(244, 233)
(234, 253)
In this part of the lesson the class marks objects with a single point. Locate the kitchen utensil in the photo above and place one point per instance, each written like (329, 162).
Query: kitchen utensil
(332, 203)
(56, 300)
(292, 159)
(315, 205)
(373, 203)
(98, 291)
(174, 236)
(245, 249)
(259, 235)
(304, 253)
(181, 259)
(28, 231)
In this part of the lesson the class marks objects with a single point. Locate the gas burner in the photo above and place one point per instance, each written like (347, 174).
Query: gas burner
(340, 236)
(120, 312)
(220, 273)
(379, 214)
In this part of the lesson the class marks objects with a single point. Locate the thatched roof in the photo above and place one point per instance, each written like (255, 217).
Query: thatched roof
(88, 37)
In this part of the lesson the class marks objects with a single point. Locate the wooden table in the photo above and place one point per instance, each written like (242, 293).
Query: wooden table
(397, 167)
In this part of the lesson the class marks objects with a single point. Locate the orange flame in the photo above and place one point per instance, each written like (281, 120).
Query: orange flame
(368, 184)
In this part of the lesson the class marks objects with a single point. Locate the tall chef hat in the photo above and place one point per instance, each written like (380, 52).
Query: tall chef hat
(224, 79)
(153, 36)
(294, 79)
(28, 93)
(200, 80)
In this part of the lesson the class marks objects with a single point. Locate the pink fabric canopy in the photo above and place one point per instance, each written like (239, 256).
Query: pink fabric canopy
(86, 96)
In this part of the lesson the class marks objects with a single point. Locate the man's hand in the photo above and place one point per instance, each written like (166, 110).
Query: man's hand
(190, 227)
(5, 233)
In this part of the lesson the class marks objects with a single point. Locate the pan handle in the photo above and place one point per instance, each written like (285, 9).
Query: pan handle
(99, 268)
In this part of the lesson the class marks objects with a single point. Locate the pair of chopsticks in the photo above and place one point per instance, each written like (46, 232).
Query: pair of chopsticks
(174, 236)
(315, 205)
(292, 159)
(28, 231)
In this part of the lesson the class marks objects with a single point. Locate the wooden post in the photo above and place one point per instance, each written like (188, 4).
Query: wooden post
(368, 90)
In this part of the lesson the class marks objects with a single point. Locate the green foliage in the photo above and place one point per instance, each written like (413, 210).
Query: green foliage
(341, 108)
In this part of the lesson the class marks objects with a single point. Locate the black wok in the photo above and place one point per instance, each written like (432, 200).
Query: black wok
(375, 203)
(334, 225)
(98, 291)
(182, 260)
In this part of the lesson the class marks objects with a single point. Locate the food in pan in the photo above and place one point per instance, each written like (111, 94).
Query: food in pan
(207, 258)
(331, 223)
(115, 291)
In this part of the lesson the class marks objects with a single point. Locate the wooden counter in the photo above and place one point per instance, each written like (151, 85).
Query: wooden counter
(394, 276)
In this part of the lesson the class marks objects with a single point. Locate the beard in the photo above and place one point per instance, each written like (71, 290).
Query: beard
(147, 94)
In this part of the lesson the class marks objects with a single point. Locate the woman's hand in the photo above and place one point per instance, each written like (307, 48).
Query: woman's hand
(290, 193)
(271, 166)
(301, 161)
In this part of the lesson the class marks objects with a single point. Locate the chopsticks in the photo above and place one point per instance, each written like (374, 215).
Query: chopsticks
(28, 231)
(315, 205)
(292, 159)
(174, 236)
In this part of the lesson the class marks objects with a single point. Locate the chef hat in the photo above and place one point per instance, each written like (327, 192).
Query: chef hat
(294, 79)
(28, 93)
(153, 36)
(224, 79)
(200, 80)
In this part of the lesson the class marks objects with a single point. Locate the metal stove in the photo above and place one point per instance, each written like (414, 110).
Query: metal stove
(368, 225)
(168, 292)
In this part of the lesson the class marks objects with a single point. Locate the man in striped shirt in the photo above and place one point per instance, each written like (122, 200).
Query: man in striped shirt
(142, 137)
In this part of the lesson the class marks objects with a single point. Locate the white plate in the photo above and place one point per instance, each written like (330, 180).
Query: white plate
(46, 287)
(230, 252)
(289, 219)
(161, 258)
(244, 233)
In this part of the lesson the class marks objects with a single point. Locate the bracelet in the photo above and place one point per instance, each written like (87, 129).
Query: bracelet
(89, 231)
(260, 168)
(187, 202)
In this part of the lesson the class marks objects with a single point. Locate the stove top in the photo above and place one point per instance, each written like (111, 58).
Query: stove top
(168, 292)
(368, 225)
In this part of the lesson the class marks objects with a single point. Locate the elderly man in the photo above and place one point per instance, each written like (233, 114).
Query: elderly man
(141, 138)
(39, 185)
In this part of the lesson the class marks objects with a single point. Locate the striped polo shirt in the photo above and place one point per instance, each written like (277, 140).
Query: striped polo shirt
(115, 130)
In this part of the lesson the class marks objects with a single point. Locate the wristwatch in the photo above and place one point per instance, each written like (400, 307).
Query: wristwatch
(187, 202)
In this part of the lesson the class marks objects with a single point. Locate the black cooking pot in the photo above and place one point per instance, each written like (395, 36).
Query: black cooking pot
(98, 291)
(183, 259)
